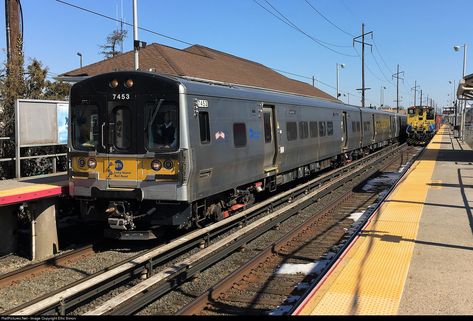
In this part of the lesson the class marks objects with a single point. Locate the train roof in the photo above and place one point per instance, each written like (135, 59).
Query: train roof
(212, 88)
(206, 87)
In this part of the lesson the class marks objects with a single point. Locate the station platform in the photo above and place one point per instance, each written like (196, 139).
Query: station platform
(38, 193)
(415, 255)
(27, 189)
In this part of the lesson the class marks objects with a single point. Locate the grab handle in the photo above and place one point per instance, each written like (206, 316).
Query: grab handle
(103, 126)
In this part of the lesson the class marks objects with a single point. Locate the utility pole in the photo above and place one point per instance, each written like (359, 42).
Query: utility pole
(14, 34)
(135, 36)
(398, 76)
(363, 34)
(415, 91)
(421, 98)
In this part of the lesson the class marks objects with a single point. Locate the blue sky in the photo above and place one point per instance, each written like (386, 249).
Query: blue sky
(416, 34)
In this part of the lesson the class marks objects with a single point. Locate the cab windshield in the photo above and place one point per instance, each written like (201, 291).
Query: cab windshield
(85, 127)
(162, 126)
(430, 114)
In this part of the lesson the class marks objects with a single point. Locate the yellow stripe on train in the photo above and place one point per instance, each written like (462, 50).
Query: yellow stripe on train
(123, 168)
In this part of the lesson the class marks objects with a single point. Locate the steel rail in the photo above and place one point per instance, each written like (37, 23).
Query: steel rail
(149, 290)
(223, 286)
(355, 235)
(8, 279)
(70, 296)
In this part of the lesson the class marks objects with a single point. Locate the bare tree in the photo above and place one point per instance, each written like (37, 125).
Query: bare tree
(114, 40)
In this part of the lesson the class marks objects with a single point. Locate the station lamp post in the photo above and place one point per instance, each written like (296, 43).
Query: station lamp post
(80, 56)
(454, 102)
(463, 103)
(339, 66)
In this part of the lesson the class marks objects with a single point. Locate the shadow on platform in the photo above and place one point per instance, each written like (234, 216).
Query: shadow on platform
(463, 156)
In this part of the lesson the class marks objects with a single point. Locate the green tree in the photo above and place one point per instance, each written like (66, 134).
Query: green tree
(32, 84)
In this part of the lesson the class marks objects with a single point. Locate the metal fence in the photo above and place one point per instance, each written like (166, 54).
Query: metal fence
(38, 123)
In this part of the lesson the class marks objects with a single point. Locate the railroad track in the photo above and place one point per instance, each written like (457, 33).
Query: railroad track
(35, 269)
(275, 280)
(160, 281)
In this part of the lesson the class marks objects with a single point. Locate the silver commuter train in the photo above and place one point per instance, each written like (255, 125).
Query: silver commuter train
(229, 142)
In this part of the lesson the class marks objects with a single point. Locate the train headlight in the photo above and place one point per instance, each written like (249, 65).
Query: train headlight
(92, 163)
(156, 165)
(129, 83)
(81, 162)
(168, 164)
(114, 83)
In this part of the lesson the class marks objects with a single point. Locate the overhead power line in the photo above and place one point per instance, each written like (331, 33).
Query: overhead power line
(382, 59)
(291, 24)
(126, 23)
(288, 22)
(379, 67)
(326, 19)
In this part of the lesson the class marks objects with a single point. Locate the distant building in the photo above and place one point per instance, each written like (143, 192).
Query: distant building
(202, 63)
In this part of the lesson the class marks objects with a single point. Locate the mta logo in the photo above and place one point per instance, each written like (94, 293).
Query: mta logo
(118, 165)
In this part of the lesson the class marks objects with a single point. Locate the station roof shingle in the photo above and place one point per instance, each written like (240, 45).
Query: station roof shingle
(200, 62)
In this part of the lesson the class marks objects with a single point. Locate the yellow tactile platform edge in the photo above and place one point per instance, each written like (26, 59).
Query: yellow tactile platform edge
(28, 189)
(370, 278)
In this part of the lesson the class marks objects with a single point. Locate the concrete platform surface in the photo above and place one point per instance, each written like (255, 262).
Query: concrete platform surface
(15, 191)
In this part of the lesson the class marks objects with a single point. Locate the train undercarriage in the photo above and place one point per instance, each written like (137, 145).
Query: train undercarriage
(132, 219)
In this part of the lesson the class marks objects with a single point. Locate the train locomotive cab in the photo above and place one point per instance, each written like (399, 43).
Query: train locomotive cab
(126, 160)
(421, 125)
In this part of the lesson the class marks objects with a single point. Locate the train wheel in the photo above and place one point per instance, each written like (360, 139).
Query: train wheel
(216, 213)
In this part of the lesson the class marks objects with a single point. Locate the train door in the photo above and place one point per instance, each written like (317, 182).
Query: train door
(119, 142)
(269, 137)
(373, 132)
(344, 130)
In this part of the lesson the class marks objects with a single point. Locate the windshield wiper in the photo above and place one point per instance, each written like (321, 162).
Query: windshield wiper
(153, 115)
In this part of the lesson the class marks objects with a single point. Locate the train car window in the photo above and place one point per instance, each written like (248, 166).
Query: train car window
(329, 128)
(303, 130)
(204, 127)
(267, 127)
(122, 127)
(85, 127)
(358, 126)
(239, 134)
(353, 126)
(291, 128)
(322, 129)
(313, 129)
(411, 111)
(162, 127)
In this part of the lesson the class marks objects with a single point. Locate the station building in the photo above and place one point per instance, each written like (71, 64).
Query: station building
(199, 62)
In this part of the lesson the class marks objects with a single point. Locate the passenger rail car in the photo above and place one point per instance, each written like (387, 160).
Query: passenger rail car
(421, 125)
(149, 150)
